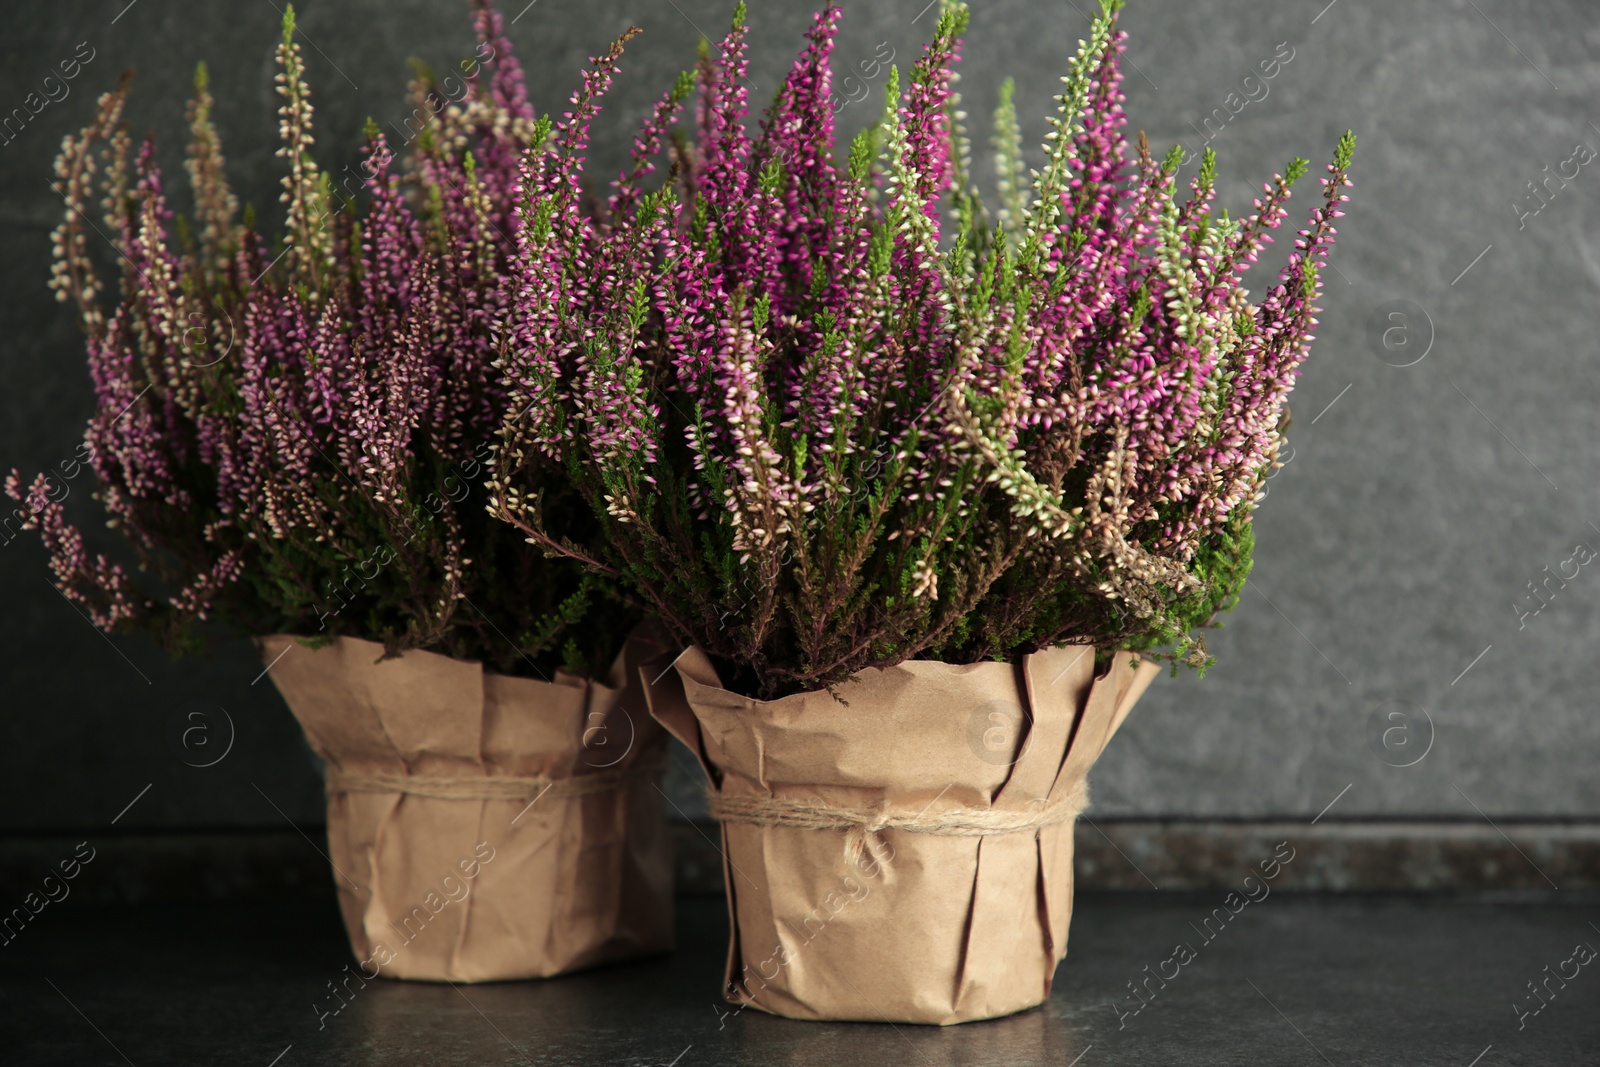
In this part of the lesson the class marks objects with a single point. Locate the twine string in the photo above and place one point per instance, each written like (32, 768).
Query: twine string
(863, 827)
(489, 786)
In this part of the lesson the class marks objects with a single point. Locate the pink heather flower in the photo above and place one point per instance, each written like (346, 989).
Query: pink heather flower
(830, 415)
(291, 436)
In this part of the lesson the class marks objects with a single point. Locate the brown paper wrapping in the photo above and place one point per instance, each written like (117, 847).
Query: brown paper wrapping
(482, 886)
(923, 927)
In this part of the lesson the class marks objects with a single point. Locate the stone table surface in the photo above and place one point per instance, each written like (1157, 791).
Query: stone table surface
(1291, 980)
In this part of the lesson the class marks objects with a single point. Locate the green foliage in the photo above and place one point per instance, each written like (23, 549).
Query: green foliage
(1222, 564)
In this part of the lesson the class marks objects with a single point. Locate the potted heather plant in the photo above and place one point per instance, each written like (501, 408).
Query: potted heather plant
(291, 440)
(925, 494)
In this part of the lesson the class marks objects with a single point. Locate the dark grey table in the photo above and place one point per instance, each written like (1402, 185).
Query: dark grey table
(1292, 980)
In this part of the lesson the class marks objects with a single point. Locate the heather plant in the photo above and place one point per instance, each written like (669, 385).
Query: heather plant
(829, 414)
(290, 435)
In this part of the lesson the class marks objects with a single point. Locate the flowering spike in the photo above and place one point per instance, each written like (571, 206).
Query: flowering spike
(1008, 159)
(304, 449)
(817, 438)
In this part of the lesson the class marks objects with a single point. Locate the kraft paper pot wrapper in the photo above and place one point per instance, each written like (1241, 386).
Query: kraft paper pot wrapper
(484, 827)
(906, 857)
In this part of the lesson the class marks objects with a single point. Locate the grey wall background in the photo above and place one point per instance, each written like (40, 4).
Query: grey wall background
(1418, 502)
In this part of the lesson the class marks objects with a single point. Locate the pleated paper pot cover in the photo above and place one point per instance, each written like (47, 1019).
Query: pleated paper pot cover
(485, 827)
(908, 857)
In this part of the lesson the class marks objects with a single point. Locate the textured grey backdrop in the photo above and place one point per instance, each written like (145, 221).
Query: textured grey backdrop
(1380, 628)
